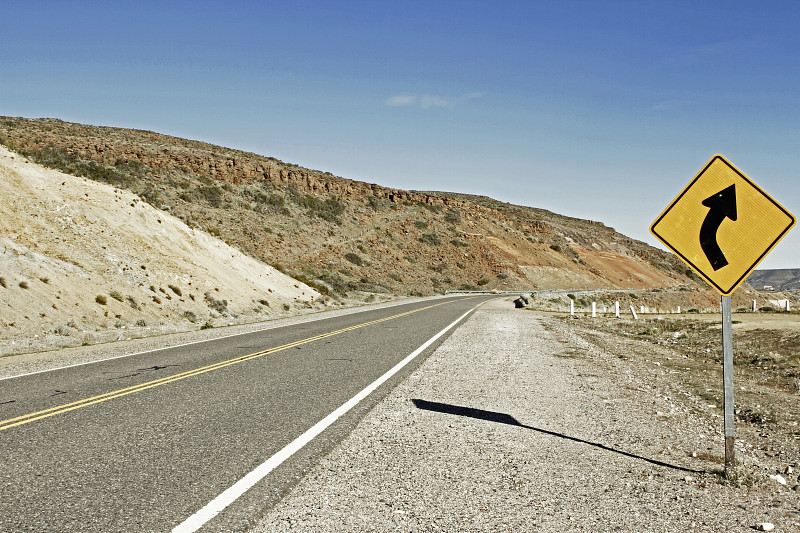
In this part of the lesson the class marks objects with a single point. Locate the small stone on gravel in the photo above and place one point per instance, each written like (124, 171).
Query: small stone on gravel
(779, 478)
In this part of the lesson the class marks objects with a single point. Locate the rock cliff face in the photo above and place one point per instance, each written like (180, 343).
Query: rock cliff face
(161, 153)
(341, 235)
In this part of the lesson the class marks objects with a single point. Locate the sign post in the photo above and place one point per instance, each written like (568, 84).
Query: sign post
(722, 225)
(727, 382)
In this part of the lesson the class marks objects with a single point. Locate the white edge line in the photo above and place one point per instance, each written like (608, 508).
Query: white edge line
(218, 504)
(176, 346)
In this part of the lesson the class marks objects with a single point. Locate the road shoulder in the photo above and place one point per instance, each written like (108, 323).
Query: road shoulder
(518, 422)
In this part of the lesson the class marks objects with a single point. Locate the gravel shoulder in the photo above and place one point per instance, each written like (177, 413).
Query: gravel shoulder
(522, 421)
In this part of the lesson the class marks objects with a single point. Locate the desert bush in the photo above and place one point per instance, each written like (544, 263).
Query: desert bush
(431, 239)
(275, 201)
(337, 282)
(101, 299)
(176, 290)
(151, 195)
(3, 283)
(132, 168)
(459, 243)
(190, 316)
(319, 287)
(220, 306)
(102, 173)
(116, 295)
(64, 331)
(453, 216)
(421, 224)
(376, 203)
(329, 209)
(23, 285)
(483, 281)
(431, 207)
(141, 323)
(211, 194)
(354, 258)
(368, 285)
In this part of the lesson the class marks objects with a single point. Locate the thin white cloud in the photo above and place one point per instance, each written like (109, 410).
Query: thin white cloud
(428, 101)
(401, 100)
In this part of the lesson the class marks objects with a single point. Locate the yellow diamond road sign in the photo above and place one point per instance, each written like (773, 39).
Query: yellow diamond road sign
(722, 225)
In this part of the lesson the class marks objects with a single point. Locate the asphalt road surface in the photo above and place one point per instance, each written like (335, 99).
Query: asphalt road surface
(147, 442)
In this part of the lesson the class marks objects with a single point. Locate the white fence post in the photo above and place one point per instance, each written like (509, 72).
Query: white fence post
(594, 309)
(616, 309)
(633, 312)
(571, 307)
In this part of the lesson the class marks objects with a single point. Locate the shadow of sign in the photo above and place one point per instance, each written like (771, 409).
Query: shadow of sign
(503, 418)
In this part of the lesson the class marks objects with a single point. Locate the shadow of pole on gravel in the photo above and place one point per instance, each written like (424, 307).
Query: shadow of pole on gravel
(502, 418)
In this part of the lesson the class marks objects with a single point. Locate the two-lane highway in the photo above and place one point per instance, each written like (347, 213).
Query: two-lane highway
(205, 436)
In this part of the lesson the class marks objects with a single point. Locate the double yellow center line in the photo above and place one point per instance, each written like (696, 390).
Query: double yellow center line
(86, 402)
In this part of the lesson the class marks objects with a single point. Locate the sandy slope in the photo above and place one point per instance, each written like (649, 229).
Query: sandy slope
(67, 244)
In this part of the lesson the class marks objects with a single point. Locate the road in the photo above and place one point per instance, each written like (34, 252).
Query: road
(143, 443)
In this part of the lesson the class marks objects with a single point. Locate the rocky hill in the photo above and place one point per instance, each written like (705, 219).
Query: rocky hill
(782, 279)
(83, 262)
(343, 236)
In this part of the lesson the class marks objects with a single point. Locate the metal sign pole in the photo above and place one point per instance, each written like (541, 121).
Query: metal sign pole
(727, 379)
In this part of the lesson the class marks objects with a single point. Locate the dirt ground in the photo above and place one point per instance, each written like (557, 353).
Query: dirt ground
(688, 349)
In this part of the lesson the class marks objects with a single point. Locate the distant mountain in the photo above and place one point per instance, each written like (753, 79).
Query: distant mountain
(782, 279)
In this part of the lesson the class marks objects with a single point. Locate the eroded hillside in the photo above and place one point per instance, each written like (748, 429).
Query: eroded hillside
(80, 259)
(341, 235)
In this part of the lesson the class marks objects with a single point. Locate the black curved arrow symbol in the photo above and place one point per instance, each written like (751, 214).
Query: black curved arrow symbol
(722, 205)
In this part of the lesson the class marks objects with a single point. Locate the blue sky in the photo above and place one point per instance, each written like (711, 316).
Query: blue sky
(599, 110)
